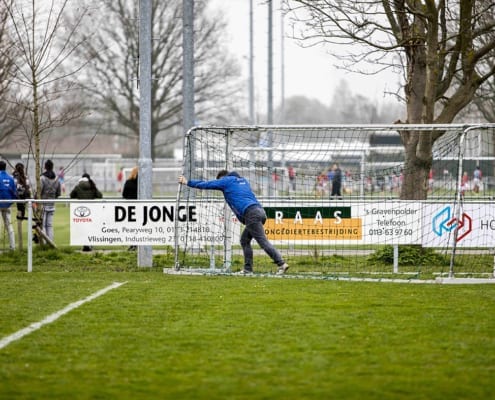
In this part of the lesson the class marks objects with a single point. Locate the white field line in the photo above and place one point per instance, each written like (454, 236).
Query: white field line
(53, 317)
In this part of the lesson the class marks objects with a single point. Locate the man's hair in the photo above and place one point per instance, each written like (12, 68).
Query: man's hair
(3, 165)
(49, 165)
(222, 173)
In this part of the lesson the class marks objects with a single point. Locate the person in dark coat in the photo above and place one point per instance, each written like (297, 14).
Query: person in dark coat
(86, 189)
(130, 191)
(336, 182)
(23, 189)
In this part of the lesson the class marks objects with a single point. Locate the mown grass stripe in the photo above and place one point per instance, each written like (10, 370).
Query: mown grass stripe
(53, 317)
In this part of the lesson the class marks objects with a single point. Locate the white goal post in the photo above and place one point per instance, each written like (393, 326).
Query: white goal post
(332, 195)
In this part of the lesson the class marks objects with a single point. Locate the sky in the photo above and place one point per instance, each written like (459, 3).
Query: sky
(308, 71)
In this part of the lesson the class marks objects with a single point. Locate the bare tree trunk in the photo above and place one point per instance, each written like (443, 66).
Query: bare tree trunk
(416, 171)
(36, 135)
(418, 161)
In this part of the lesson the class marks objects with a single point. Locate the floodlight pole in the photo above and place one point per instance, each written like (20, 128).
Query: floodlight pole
(252, 120)
(188, 115)
(188, 64)
(270, 95)
(282, 65)
(270, 66)
(144, 253)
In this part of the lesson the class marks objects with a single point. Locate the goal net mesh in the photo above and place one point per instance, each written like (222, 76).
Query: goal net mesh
(332, 199)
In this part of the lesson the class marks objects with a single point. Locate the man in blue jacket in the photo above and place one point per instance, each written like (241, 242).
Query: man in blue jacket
(246, 207)
(8, 191)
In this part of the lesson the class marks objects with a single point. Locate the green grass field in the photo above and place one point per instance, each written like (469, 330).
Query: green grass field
(196, 337)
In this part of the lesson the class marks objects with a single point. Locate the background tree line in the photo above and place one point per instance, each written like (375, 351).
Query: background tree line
(75, 65)
(345, 107)
(445, 51)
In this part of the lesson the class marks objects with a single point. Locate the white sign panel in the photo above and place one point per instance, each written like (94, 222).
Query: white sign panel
(471, 225)
(393, 222)
(388, 222)
(133, 223)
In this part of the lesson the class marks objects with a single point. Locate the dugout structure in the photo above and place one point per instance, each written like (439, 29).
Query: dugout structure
(362, 230)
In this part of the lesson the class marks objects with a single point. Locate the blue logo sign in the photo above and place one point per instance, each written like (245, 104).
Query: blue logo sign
(444, 222)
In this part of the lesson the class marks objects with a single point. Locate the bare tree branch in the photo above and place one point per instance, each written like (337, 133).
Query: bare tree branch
(446, 50)
(111, 80)
(43, 70)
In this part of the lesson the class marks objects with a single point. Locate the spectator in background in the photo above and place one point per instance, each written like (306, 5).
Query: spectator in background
(120, 179)
(431, 179)
(477, 175)
(130, 191)
(330, 175)
(336, 182)
(292, 177)
(369, 184)
(61, 179)
(321, 184)
(23, 187)
(7, 192)
(50, 189)
(86, 189)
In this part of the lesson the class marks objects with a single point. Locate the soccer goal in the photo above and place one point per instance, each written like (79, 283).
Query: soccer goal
(335, 202)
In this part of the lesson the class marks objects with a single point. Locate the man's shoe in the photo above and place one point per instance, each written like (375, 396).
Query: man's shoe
(245, 272)
(282, 269)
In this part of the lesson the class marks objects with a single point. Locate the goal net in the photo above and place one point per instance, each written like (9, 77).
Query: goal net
(332, 195)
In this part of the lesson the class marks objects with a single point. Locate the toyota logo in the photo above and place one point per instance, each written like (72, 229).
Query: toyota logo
(82, 212)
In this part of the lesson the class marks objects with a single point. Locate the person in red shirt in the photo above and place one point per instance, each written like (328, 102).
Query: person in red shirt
(120, 179)
(292, 177)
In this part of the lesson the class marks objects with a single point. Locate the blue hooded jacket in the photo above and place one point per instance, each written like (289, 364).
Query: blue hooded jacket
(236, 191)
(7, 188)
